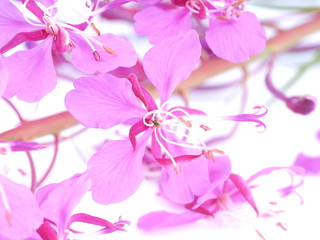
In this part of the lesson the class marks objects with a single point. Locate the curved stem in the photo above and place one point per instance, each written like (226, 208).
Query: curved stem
(33, 172)
(269, 83)
(281, 42)
(53, 161)
(14, 109)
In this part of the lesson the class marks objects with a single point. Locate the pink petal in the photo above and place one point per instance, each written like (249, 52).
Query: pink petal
(141, 93)
(236, 40)
(193, 181)
(116, 170)
(25, 215)
(58, 200)
(244, 190)
(163, 219)
(31, 73)
(84, 60)
(310, 164)
(11, 22)
(3, 76)
(172, 61)
(86, 218)
(24, 37)
(103, 101)
(219, 172)
(161, 23)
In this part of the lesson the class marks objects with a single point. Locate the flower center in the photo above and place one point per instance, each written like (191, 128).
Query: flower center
(60, 29)
(174, 127)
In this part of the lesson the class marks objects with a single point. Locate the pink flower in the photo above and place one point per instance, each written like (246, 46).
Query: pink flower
(31, 72)
(233, 34)
(105, 101)
(20, 214)
(57, 202)
(226, 192)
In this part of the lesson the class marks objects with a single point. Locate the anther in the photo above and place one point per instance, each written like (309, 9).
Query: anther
(260, 234)
(109, 50)
(187, 123)
(96, 55)
(177, 169)
(8, 217)
(237, 3)
(209, 154)
(95, 29)
(71, 44)
(222, 18)
(204, 127)
(281, 225)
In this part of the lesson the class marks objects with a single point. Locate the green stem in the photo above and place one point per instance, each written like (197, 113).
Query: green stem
(302, 70)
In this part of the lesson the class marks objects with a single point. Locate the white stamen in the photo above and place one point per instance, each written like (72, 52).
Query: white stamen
(163, 147)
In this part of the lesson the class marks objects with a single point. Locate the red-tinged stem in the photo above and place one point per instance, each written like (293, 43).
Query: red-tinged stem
(14, 109)
(37, 128)
(244, 100)
(53, 161)
(269, 83)
(33, 172)
(59, 122)
(280, 43)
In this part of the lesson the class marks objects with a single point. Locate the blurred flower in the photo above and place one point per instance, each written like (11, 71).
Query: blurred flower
(31, 72)
(225, 197)
(234, 34)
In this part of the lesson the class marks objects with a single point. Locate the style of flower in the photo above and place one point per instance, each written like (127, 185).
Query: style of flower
(226, 193)
(234, 34)
(31, 72)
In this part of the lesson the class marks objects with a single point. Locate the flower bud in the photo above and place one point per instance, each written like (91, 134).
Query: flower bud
(301, 105)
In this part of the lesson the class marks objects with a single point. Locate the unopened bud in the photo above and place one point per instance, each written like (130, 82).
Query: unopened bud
(301, 105)
(96, 56)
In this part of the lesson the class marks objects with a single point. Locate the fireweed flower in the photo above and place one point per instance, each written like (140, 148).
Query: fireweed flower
(31, 72)
(57, 202)
(105, 101)
(233, 34)
(225, 196)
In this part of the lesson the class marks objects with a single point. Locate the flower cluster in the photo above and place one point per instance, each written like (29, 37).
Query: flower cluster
(130, 94)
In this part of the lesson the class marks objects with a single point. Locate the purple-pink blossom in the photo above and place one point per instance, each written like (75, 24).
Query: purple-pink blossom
(233, 34)
(32, 72)
(111, 101)
(227, 191)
